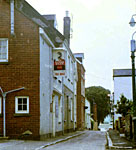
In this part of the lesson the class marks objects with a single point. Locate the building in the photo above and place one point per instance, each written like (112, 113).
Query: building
(34, 102)
(122, 85)
(70, 82)
(80, 91)
(87, 114)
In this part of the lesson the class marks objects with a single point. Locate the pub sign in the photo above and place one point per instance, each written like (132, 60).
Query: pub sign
(59, 62)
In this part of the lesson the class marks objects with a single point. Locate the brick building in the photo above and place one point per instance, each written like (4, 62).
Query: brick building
(19, 65)
(27, 42)
(25, 51)
(80, 91)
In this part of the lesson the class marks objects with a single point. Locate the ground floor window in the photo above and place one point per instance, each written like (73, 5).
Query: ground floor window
(21, 104)
(60, 108)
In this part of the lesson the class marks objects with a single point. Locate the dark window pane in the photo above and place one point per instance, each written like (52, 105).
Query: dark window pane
(19, 107)
(24, 100)
(24, 107)
(19, 100)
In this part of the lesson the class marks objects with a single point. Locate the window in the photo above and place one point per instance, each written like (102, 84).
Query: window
(0, 105)
(71, 108)
(60, 109)
(22, 104)
(3, 50)
(68, 67)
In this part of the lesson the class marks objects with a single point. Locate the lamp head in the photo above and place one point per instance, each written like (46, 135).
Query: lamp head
(133, 45)
(132, 22)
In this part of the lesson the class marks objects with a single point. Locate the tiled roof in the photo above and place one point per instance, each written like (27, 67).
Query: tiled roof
(32, 14)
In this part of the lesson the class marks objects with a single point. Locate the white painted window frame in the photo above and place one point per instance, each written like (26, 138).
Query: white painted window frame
(60, 109)
(5, 60)
(71, 108)
(16, 105)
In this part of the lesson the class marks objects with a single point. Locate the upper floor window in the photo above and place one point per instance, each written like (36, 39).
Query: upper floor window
(22, 104)
(3, 50)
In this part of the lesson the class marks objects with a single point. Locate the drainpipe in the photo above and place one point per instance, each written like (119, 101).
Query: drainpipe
(63, 105)
(4, 115)
(4, 94)
(12, 16)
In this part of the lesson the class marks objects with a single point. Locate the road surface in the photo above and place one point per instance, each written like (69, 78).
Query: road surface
(91, 140)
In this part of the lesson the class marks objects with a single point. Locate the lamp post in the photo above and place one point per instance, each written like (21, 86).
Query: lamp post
(133, 49)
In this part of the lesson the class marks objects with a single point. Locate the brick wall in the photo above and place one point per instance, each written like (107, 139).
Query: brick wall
(22, 70)
(80, 100)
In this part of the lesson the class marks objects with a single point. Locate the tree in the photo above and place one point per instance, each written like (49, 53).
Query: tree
(124, 105)
(99, 95)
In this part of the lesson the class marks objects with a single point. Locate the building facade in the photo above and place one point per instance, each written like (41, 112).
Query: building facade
(37, 101)
(87, 114)
(80, 91)
(122, 85)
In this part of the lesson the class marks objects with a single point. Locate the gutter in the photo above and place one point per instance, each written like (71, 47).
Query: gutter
(4, 94)
(12, 16)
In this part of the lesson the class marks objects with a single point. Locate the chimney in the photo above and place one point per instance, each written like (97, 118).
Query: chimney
(66, 30)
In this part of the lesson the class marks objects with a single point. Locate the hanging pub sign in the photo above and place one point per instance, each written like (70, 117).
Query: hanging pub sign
(59, 62)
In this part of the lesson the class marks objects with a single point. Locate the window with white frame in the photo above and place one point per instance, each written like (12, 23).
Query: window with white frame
(68, 66)
(0, 105)
(72, 71)
(21, 104)
(60, 109)
(3, 50)
(71, 108)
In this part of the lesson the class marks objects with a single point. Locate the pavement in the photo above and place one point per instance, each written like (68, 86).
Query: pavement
(37, 145)
(118, 141)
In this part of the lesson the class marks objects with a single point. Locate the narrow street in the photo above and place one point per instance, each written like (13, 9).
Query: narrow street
(91, 140)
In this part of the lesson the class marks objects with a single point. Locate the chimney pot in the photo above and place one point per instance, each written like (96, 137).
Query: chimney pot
(67, 13)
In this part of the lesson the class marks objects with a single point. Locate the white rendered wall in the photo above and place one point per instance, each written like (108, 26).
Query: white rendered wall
(45, 87)
(122, 85)
(87, 115)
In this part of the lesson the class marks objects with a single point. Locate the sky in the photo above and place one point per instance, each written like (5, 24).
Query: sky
(101, 31)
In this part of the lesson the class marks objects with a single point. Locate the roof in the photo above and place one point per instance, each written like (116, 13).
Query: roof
(79, 55)
(35, 16)
(122, 72)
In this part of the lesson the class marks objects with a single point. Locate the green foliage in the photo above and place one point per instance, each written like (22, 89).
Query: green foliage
(124, 106)
(99, 95)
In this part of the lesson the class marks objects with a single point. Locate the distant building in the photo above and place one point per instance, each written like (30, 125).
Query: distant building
(80, 91)
(87, 114)
(122, 85)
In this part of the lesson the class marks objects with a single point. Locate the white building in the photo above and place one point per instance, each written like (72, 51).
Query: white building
(64, 88)
(87, 114)
(57, 93)
(122, 85)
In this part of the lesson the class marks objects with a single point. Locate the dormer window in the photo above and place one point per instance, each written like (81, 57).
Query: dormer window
(3, 50)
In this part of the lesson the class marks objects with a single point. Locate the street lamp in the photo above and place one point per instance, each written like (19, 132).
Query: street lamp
(133, 49)
(132, 21)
